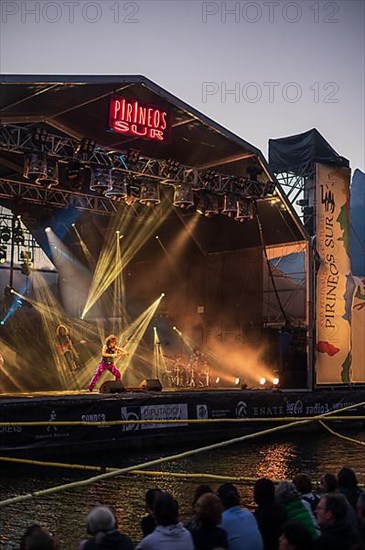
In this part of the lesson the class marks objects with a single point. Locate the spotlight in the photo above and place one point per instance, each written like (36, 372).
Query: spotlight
(51, 179)
(170, 168)
(86, 147)
(208, 204)
(230, 205)
(73, 225)
(39, 136)
(75, 174)
(100, 180)
(245, 210)
(35, 165)
(237, 381)
(163, 294)
(18, 236)
(183, 195)
(174, 328)
(133, 192)
(157, 237)
(262, 381)
(119, 186)
(217, 380)
(150, 193)
(25, 269)
(275, 381)
(48, 229)
(5, 234)
(2, 254)
(2, 322)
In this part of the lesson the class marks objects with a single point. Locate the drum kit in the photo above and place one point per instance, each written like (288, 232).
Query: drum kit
(181, 374)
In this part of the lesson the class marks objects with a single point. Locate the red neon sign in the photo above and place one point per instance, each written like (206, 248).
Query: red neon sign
(133, 118)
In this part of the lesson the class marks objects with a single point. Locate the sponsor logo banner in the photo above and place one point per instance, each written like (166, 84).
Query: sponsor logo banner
(333, 304)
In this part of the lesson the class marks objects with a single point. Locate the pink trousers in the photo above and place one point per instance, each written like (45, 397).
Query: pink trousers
(100, 369)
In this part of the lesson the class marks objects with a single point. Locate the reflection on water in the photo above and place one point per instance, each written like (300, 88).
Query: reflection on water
(278, 458)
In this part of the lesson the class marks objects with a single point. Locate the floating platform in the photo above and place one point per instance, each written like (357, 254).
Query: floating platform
(256, 407)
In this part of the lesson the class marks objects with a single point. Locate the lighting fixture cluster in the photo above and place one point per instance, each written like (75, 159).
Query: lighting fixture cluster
(127, 176)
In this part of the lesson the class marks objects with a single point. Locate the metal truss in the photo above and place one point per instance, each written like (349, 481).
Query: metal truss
(58, 198)
(21, 140)
(293, 182)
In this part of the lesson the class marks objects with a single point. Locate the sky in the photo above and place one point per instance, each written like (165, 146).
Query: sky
(262, 69)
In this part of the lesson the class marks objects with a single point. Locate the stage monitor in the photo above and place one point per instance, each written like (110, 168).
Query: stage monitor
(151, 384)
(112, 386)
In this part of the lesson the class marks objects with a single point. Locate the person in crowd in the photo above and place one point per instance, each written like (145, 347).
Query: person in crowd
(347, 485)
(148, 523)
(240, 524)
(295, 536)
(170, 534)
(202, 489)
(336, 532)
(360, 508)
(207, 535)
(303, 484)
(101, 524)
(297, 511)
(109, 353)
(37, 538)
(328, 483)
(270, 515)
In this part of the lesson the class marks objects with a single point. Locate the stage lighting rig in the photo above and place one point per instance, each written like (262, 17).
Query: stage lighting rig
(51, 179)
(245, 210)
(35, 165)
(150, 192)
(18, 235)
(230, 205)
(100, 180)
(39, 136)
(5, 234)
(132, 158)
(2, 254)
(208, 204)
(86, 148)
(75, 175)
(183, 195)
(169, 168)
(119, 186)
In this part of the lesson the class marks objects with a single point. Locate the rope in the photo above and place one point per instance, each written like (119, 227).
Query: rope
(178, 421)
(114, 473)
(342, 436)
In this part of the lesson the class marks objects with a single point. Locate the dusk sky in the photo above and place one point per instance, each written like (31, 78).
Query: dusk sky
(290, 66)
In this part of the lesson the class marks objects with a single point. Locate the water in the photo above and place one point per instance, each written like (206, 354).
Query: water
(279, 457)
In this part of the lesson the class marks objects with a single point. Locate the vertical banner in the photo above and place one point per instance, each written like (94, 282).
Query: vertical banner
(334, 282)
(357, 248)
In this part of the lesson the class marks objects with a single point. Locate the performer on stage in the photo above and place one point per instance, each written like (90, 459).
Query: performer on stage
(197, 366)
(109, 353)
(65, 348)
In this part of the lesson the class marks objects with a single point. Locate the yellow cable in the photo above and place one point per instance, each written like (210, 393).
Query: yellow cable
(114, 473)
(179, 421)
(342, 436)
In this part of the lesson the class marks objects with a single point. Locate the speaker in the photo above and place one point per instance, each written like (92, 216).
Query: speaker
(112, 386)
(151, 384)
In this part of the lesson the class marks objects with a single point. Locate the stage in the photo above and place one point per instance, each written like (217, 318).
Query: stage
(213, 406)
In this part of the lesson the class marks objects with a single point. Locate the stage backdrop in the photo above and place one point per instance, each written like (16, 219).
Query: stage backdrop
(334, 281)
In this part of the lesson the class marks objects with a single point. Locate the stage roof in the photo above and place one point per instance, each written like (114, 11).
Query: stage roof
(77, 107)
